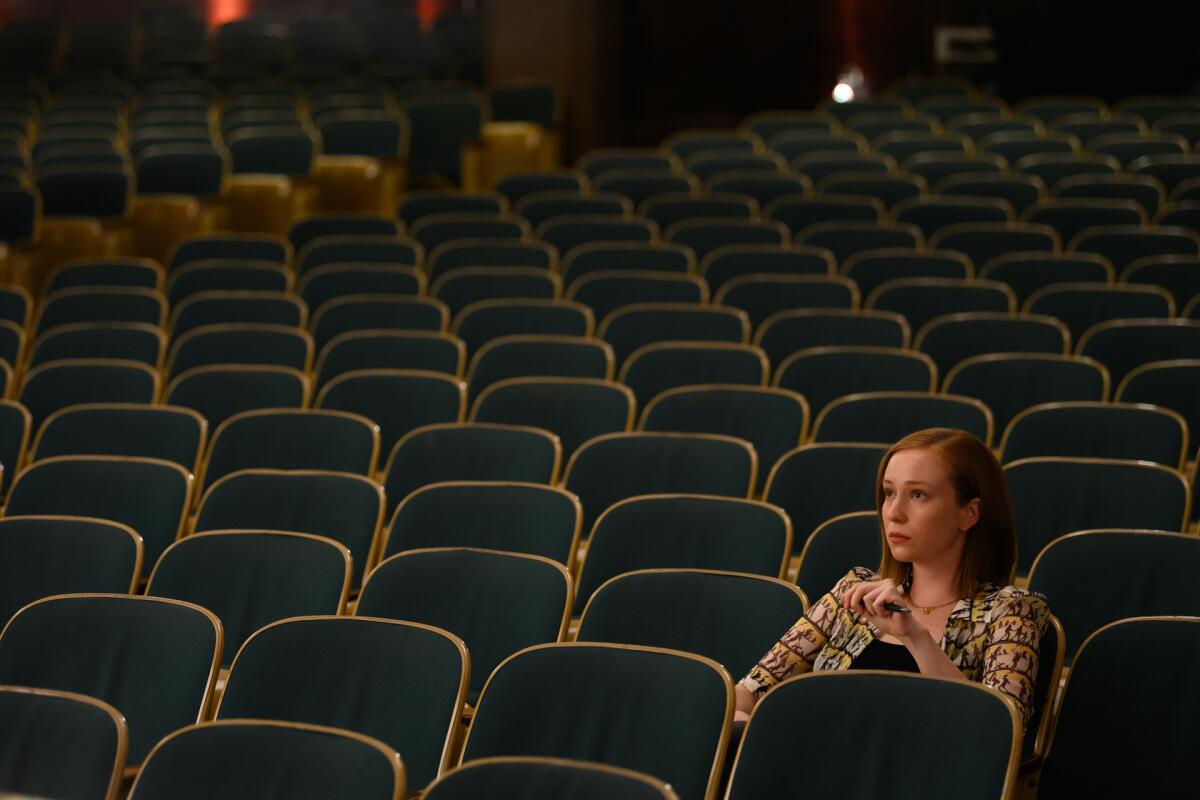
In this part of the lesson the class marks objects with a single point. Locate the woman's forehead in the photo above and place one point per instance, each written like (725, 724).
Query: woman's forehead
(916, 466)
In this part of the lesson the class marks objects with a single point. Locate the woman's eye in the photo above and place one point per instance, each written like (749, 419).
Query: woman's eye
(887, 493)
(918, 495)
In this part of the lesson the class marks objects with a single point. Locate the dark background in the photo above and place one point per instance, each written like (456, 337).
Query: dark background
(633, 71)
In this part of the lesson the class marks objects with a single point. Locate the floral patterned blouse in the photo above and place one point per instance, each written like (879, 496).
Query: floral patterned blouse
(992, 638)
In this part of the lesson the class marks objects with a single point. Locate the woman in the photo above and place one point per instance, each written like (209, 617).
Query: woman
(938, 604)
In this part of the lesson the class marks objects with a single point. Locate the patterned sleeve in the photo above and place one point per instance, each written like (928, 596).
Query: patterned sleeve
(1010, 657)
(796, 650)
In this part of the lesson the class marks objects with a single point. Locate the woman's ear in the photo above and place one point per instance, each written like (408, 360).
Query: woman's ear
(969, 515)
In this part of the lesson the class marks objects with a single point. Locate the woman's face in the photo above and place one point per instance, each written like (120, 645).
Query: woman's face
(922, 519)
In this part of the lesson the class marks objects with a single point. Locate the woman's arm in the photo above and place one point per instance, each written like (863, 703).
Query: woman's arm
(744, 702)
(796, 650)
(1011, 655)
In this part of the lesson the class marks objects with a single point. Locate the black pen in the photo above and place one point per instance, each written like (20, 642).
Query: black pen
(897, 609)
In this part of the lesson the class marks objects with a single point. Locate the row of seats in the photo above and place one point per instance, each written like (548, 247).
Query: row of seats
(248, 484)
(642, 695)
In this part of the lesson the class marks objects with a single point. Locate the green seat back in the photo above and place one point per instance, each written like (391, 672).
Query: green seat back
(226, 275)
(470, 593)
(241, 344)
(331, 281)
(148, 495)
(284, 439)
(58, 745)
(1124, 244)
(642, 324)
(529, 778)
(773, 420)
(129, 341)
(437, 229)
(405, 687)
(54, 386)
(345, 508)
(15, 431)
(870, 269)
(1174, 385)
(1056, 496)
(920, 300)
(731, 618)
(844, 239)
(488, 253)
(1097, 430)
(662, 712)
(640, 256)
(983, 242)
(1149, 570)
(396, 400)
(817, 482)
(102, 304)
(797, 213)
(422, 350)
(46, 555)
(1123, 345)
(310, 228)
(222, 391)
(890, 416)
(824, 374)
(1080, 306)
(253, 578)
(1025, 273)
(134, 272)
(153, 660)
(395, 312)
(657, 368)
(225, 308)
(685, 532)
(468, 285)
(417, 205)
(573, 409)
(610, 468)
(530, 355)
(1153, 717)
(706, 235)
(951, 339)
(515, 517)
(1010, 383)
(787, 332)
(486, 320)
(835, 547)
(605, 292)
(269, 761)
(474, 452)
(971, 749)
(739, 260)
(358, 250)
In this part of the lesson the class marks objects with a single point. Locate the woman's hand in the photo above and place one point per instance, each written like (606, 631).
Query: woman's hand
(868, 598)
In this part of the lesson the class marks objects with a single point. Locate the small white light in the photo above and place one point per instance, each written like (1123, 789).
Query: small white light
(843, 93)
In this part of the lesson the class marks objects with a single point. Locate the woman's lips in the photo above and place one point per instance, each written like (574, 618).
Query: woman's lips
(897, 537)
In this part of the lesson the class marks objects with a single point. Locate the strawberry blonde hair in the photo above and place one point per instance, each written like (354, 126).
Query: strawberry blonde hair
(990, 552)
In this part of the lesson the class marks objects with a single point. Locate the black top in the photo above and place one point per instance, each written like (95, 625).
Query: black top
(884, 655)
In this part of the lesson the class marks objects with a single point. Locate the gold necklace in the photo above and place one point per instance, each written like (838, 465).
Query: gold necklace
(927, 610)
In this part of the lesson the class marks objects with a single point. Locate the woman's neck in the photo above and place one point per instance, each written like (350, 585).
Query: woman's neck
(933, 583)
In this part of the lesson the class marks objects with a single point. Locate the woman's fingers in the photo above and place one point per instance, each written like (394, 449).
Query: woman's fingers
(875, 599)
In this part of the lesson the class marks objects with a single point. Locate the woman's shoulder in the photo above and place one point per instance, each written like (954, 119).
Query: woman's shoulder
(1013, 600)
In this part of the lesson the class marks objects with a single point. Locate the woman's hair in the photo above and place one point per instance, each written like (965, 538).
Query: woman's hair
(990, 552)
